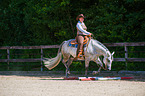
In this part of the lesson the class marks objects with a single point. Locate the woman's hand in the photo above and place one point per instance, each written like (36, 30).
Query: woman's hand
(90, 35)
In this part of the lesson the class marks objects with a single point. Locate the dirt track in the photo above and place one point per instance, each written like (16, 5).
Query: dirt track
(12, 85)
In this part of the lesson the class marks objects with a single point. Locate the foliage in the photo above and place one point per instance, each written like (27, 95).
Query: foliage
(38, 22)
(48, 22)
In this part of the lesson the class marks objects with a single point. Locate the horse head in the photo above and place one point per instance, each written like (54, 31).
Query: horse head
(98, 48)
(108, 60)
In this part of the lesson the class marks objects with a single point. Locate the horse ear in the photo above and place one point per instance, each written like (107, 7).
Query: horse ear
(112, 53)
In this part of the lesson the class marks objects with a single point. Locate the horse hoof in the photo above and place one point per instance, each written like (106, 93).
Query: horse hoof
(68, 72)
(95, 72)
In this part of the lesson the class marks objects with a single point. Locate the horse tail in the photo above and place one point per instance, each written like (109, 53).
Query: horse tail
(50, 63)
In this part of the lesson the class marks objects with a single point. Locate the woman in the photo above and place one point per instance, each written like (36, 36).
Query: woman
(81, 32)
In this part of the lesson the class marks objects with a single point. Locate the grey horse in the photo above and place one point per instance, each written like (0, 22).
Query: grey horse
(93, 50)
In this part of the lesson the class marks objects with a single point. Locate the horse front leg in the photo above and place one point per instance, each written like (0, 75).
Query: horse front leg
(98, 61)
(96, 72)
(86, 66)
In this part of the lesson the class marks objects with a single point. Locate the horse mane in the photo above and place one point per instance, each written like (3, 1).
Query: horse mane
(96, 41)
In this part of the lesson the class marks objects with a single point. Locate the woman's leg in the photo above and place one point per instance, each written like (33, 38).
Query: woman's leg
(80, 40)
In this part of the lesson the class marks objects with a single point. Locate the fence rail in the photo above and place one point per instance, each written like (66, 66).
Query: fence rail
(125, 59)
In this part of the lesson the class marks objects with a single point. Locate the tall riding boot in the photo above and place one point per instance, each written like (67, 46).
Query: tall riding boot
(80, 40)
(80, 50)
(77, 52)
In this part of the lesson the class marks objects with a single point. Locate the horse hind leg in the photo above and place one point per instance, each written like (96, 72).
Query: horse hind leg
(70, 60)
(64, 61)
(67, 62)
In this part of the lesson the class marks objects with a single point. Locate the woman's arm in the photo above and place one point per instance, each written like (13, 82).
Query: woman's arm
(81, 29)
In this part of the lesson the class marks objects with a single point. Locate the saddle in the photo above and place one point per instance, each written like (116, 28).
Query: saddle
(74, 42)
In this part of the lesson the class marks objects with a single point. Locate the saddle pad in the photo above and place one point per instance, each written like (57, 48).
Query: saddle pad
(74, 45)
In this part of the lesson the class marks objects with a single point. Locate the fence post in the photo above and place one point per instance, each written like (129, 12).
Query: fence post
(41, 59)
(8, 57)
(126, 54)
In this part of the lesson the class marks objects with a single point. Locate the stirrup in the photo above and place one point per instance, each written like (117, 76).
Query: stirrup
(80, 54)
